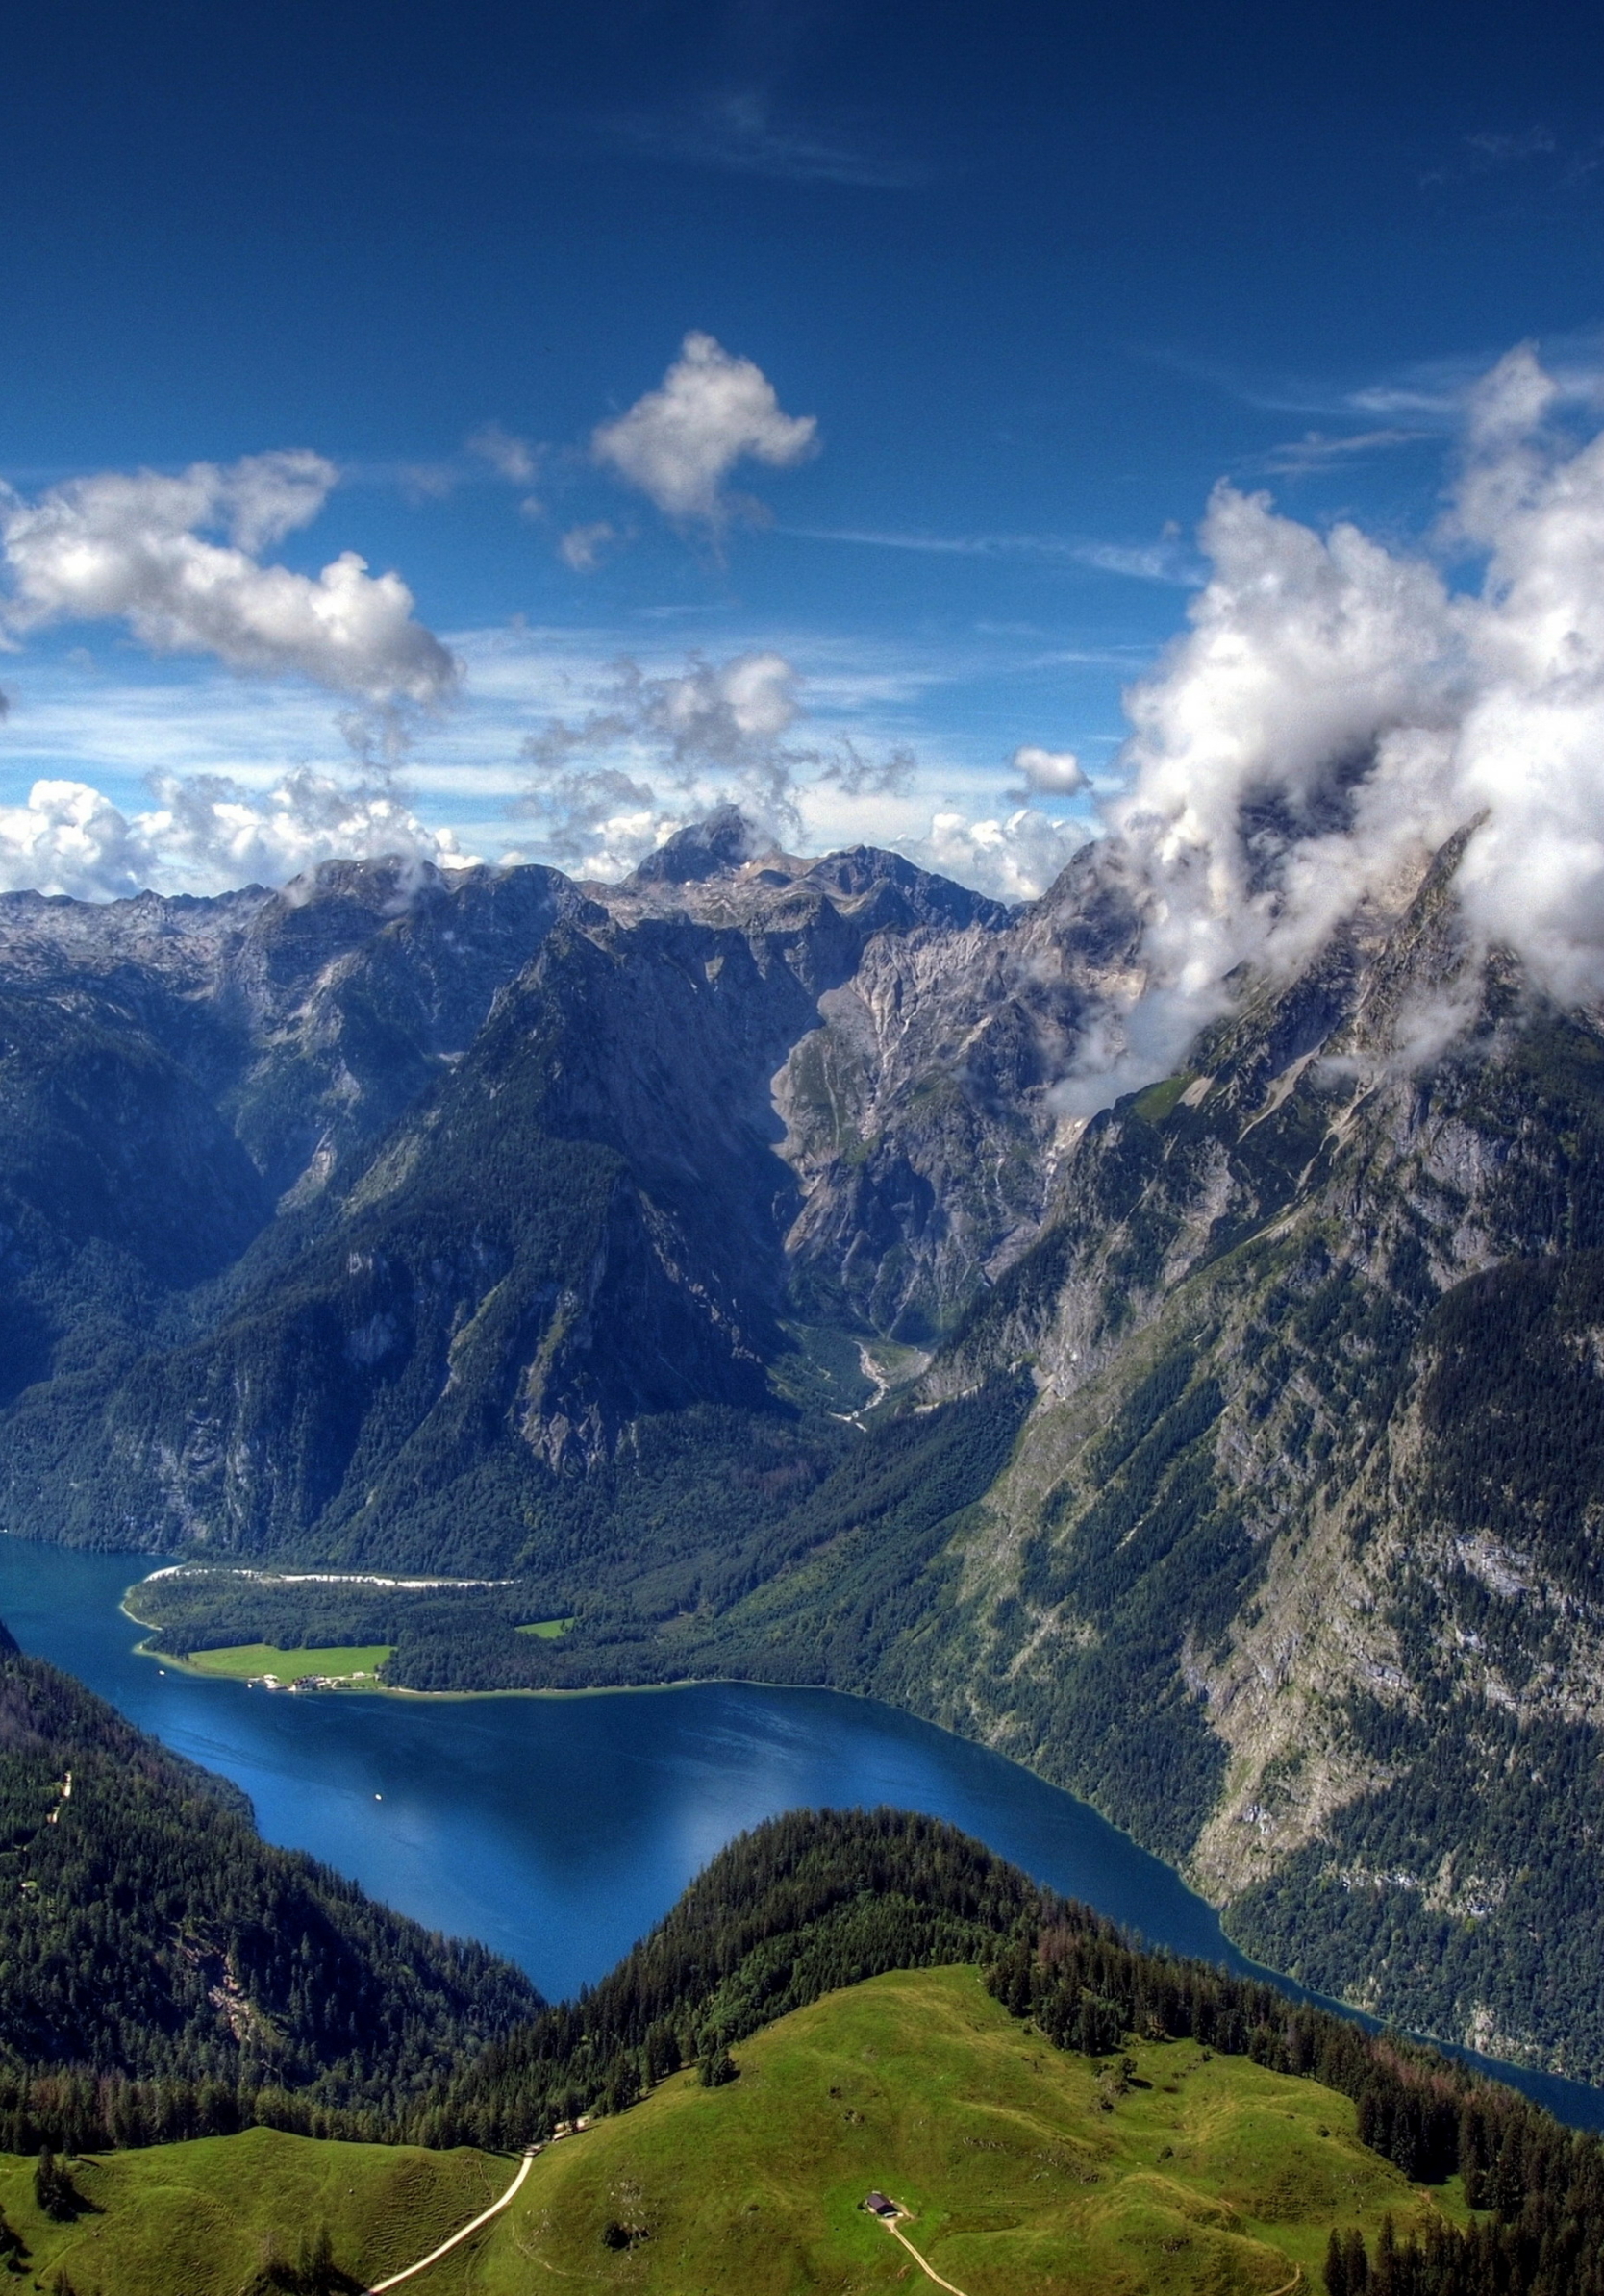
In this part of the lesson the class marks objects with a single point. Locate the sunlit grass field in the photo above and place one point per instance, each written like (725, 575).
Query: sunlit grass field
(348, 1663)
(202, 2219)
(1025, 2170)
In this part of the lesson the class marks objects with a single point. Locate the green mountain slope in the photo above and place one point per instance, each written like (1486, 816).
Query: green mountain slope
(1200, 2173)
(245, 2217)
(1072, 2113)
(162, 1969)
(1023, 2168)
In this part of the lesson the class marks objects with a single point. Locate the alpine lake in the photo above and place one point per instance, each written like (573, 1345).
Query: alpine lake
(558, 1829)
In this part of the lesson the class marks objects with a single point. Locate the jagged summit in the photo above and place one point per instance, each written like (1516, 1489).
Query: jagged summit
(726, 839)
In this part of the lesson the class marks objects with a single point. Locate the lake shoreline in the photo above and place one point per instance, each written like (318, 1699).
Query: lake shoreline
(506, 1777)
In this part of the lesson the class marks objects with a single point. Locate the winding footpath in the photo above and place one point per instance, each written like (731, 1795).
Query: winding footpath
(929, 2270)
(468, 2230)
(931, 2273)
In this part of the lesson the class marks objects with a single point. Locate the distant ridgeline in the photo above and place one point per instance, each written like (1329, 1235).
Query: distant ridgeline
(165, 1973)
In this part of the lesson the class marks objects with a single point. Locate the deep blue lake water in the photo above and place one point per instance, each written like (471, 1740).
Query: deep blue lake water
(559, 1830)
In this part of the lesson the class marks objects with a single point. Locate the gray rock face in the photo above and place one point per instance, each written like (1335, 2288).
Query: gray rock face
(1298, 1567)
(920, 1114)
(490, 1158)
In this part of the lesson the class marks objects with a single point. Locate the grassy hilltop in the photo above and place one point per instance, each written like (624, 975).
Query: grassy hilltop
(1027, 2168)
(223, 2214)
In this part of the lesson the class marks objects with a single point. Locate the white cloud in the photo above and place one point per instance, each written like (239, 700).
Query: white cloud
(737, 130)
(204, 833)
(658, 752)
(134, 547)
(1166, 560)
(1335, 712)
(581, 546)
(1049, 772)
(1015, 858)
(1315, 451)
(510, 457)
(661, 751)
(680, 442)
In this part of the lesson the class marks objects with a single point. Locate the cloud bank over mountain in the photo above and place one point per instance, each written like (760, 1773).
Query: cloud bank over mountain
(204, 833)
(1338, 709)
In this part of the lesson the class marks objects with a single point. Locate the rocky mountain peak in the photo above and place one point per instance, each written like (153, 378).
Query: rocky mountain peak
(724, 841)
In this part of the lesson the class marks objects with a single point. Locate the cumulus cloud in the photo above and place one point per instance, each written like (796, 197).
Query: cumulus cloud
(1049, 772)
(1015, 858)
(137, 547)
(1337, 709)
(680, 442)
(203, 834)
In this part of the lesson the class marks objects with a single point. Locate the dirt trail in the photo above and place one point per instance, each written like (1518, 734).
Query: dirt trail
(457, 2238)
(929, 2270)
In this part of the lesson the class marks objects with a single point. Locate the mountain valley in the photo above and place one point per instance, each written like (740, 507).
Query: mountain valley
(714, 1262)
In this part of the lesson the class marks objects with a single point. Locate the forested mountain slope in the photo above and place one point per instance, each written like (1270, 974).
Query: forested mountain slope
(712, 1260)
(164, 1971)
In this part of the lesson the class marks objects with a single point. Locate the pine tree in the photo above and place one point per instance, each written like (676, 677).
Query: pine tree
(1335, 2266)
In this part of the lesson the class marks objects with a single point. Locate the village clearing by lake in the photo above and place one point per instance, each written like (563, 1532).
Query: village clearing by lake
(350, 1666)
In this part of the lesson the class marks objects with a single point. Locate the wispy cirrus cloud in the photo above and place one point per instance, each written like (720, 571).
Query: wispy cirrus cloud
(510, 457)
(1170, 560)
(1534, 158)
(1425, 399)
(1319, 450)
(742, 131)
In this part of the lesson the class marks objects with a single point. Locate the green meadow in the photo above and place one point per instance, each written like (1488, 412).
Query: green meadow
(1163, 2171)
(245, 1659)
(205, 2219)
(1025, 2170)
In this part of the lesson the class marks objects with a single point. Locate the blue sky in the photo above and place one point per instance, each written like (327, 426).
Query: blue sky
(1039, 277)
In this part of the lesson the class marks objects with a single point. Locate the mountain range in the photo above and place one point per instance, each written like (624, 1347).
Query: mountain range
(716, 1264)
